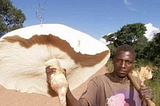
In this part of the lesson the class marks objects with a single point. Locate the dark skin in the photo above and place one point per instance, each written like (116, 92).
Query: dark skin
(123, 62)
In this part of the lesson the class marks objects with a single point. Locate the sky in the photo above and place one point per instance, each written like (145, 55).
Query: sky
(94, 17)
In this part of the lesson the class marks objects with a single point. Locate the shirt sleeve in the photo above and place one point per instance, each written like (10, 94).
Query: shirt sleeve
(90, 93)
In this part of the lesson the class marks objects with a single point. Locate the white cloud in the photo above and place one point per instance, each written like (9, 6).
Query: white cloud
(151, 31)
(125, 1)
(129, 5)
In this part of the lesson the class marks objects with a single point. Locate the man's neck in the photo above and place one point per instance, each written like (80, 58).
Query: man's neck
(120, 79)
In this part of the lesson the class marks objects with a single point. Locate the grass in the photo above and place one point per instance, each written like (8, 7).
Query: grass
(155, 85)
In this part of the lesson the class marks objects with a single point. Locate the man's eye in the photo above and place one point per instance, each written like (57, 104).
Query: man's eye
(129, 62)
(119, 61)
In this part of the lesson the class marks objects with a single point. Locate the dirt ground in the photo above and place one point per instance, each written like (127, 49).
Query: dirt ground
(14, 98)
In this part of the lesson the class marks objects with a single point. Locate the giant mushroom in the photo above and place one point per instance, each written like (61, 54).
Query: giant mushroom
(25, 53)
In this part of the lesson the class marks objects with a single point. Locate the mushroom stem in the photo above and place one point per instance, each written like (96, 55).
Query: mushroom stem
(57, 80)
(60, 85)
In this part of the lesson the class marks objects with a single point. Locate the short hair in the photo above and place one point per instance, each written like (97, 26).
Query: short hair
(125, 47)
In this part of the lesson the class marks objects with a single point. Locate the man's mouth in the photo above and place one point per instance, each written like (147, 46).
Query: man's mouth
(122, 71)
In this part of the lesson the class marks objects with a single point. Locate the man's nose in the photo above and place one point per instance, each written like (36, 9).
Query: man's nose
(123, 64)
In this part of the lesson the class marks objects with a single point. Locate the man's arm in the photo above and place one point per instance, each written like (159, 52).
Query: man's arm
(72, 101)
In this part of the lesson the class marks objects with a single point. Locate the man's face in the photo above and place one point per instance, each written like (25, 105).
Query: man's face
(123, 63)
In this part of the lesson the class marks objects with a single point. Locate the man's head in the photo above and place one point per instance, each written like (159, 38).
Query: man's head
(123, 60)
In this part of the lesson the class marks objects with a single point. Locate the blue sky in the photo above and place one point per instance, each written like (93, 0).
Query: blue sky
(94, 17)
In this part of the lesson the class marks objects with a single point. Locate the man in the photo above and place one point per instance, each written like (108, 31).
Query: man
(113, 89)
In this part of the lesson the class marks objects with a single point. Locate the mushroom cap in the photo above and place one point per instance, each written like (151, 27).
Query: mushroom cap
(24, 53)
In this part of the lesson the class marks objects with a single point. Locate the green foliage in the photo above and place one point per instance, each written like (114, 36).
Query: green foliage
(112, 49)
(10, 17)
(155, 85)
(155, 45)
(143, 62)
(132, 34)
(156, 74)
(152, 51)
(109, 65)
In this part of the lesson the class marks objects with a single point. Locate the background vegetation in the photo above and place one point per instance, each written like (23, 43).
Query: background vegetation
(148, 52)
(11, 18)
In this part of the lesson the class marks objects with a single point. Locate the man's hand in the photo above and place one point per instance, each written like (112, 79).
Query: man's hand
(50, 71)
(145, 92)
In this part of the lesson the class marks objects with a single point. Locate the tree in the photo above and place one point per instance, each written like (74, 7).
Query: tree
(132, 34)
(11, 18)
(153, 50)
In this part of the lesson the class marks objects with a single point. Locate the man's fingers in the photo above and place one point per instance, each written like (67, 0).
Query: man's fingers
(146, 92)
(64, 72)
(49, 72)
(142, 85)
